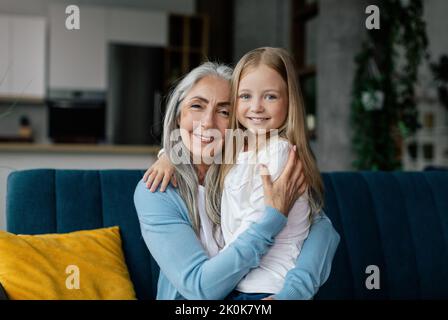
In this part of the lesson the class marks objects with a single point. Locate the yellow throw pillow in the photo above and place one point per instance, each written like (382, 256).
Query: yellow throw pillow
(80, 265)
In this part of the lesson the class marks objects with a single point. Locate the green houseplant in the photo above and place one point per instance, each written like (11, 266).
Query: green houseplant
(383, 109)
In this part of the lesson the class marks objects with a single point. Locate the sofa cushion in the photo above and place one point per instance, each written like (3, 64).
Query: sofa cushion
(78, 265)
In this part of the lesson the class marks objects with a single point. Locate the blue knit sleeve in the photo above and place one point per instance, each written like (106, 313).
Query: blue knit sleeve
(173, 243)
(313, 264)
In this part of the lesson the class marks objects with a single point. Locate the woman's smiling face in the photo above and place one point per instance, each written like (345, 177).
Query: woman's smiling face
(204, 116)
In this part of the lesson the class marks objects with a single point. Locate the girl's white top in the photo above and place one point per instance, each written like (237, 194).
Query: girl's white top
(243, 203)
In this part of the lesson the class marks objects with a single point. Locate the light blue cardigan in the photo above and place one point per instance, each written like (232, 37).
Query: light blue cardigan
(188, 273)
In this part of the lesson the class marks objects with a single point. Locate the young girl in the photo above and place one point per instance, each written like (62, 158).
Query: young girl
(269, 109)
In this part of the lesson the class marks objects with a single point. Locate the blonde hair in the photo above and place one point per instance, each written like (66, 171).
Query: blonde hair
(294, 128)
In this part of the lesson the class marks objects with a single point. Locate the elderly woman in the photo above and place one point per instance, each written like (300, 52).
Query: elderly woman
(181, 226)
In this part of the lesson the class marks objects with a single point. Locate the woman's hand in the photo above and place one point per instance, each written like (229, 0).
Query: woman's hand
(283, 193)
(161, 171)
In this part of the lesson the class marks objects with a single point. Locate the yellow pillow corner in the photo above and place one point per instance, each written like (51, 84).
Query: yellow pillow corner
(80, 265)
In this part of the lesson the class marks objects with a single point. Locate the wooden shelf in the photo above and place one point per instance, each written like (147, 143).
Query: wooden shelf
(187, 47)
(302, 14)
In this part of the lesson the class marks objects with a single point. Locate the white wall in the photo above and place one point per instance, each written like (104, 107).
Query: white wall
(11, 161)
(126, 26)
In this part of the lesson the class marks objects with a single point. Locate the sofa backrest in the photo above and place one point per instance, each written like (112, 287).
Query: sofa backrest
(396, 221)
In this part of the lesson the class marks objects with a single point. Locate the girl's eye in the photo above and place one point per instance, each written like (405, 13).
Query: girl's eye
(271, 97)
(244, 96)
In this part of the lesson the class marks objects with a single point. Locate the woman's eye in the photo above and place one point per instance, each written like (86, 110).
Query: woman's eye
(195, 106)
(225, 113)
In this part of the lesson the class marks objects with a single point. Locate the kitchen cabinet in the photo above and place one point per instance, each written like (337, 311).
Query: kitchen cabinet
(78, 56)
(22, 57)
(187, 45)
(28, 60)
(4, 55)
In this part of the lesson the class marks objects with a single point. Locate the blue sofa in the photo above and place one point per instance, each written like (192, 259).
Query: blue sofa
(396, 221)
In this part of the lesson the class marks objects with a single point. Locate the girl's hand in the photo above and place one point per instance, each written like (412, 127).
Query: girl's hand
(161, 171)
(283, 193)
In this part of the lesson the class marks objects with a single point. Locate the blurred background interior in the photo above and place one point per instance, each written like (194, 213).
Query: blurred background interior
(94, 97)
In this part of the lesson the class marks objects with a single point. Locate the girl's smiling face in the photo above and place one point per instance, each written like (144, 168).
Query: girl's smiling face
(262, 102)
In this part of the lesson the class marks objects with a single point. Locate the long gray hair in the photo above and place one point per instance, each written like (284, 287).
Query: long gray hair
(185, 173)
